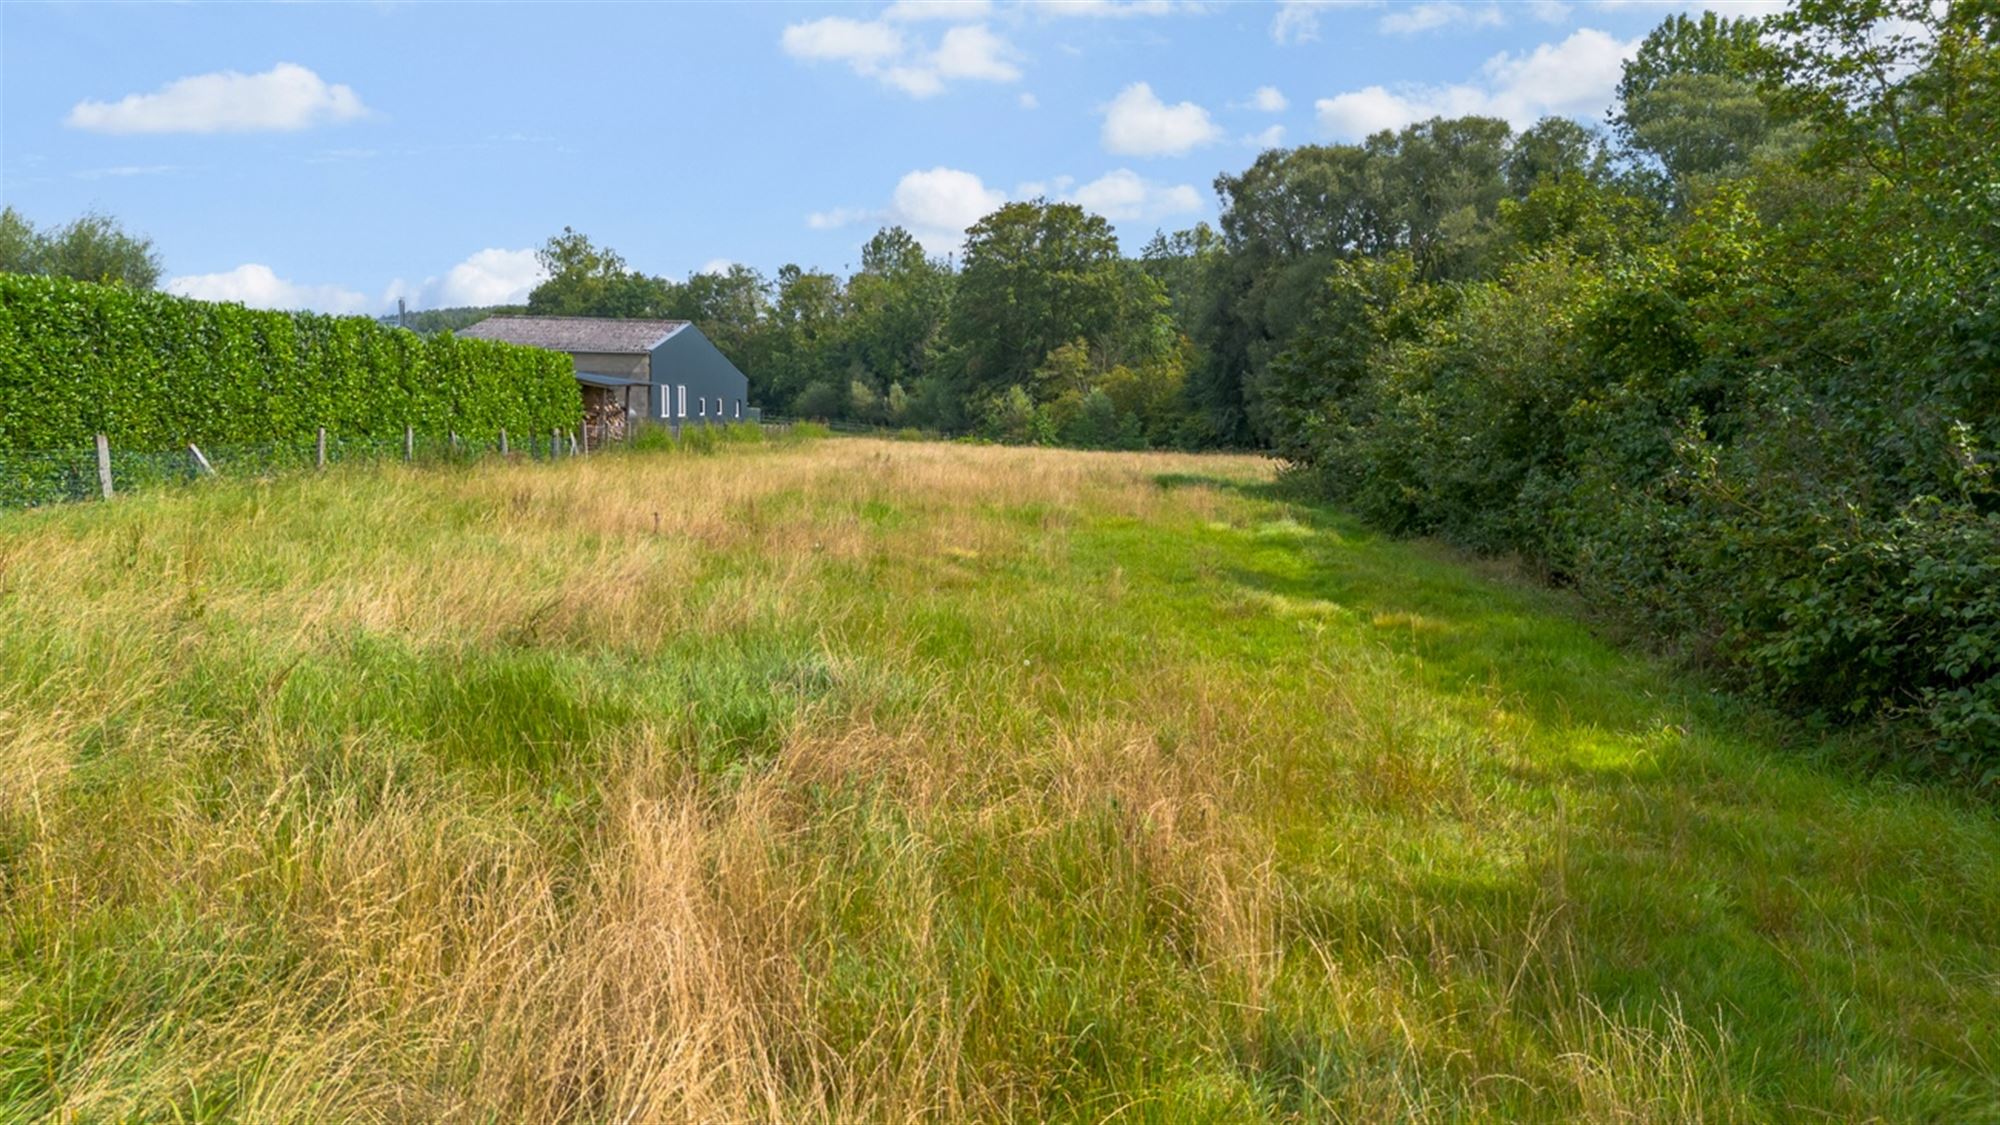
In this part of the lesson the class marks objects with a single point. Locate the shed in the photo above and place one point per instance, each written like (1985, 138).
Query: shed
(662, 370)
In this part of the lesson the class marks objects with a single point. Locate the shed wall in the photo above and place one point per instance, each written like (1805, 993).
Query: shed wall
(687, 359)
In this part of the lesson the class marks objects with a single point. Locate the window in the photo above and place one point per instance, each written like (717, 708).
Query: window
(683, 403)
(739, 409)
(661, 391)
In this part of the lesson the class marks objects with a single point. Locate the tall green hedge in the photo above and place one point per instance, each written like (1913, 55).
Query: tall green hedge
(158, 372)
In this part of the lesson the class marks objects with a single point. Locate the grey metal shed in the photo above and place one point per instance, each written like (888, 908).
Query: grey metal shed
(658, 370)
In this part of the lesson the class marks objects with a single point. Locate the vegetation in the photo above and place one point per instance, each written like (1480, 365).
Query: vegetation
(430, 322)
(1762, 430)
(870, 779)
(92, 247)
(1728, 367)
(156, 372)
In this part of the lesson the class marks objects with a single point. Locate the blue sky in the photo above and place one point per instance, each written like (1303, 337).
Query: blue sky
(337, 156)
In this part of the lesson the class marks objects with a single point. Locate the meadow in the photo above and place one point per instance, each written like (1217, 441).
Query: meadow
(854, 779)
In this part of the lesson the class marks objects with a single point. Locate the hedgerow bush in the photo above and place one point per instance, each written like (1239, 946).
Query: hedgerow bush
(1767, 446)
(155, 372)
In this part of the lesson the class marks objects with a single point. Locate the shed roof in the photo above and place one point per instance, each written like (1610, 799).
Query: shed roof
(577, 333)
(599, 380)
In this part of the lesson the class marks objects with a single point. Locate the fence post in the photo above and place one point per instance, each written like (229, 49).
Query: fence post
(201, 462)
(572, 443)
(319, 448)
(409, 444)
(503, 443)
(104, 465)
(555, 444)
(454, 442)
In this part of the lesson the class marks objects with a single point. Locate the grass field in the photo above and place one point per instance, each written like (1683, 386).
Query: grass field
(856, 779)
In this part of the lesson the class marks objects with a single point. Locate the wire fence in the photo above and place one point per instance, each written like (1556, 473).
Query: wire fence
(36, 478)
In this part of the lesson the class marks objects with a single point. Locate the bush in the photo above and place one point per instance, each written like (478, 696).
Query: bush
(154, 372)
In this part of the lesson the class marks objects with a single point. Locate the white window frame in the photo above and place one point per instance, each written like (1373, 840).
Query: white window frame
(683, 404)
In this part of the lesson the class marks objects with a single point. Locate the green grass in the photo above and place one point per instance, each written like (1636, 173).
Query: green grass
(887, 779)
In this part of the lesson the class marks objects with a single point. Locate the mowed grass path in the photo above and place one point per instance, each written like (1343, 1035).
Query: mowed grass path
(869, 780)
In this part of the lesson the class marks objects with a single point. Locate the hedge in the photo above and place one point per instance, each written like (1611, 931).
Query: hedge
(155, 372)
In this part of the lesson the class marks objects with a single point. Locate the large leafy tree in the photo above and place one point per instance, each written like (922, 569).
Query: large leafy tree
(1036, 275)
(898, 306)
(804, 333)
(729, 307)
(1689, 106)
(92, 247)
(589, 280)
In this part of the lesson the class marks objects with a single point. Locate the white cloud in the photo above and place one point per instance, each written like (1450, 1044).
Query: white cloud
(1125, 195)
(862, 45)
(1269, 99)
(716, 266)
(1270, 137)
(260, 288)
(489, 277)
(1297, 21)
(974, 52)
(957, 11)
(877, 50)
(837, 217)
(1138, 123)
(937, 205)
(1574, 77)
(1029, 101)
(916, 81)
(285, 98)
(1433, 14)
(1548, 11)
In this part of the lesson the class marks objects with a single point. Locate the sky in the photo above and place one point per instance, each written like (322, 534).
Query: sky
(342, 156)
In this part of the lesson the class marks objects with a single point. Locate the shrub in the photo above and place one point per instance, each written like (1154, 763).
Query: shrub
(155, 372)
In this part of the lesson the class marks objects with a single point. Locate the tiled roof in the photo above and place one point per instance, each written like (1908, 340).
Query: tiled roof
(576, 333)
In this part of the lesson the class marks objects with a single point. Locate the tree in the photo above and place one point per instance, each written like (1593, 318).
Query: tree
(729, 307)
(1689, 102)
(588, 280)
(20, 245)
(1036, 276)
(1180, 263)
(1556, 150)
(897, 309)
(92, 247)
(803, 334)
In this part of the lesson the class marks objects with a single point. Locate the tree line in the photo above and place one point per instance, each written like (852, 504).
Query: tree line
(1728, 364)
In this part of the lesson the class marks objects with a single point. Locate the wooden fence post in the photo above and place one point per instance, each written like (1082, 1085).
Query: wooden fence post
(503, 443)
(104, 465)
(319, 449)
(409, 444)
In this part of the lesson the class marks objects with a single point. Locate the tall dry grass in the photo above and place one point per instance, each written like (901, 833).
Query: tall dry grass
(853, 780)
